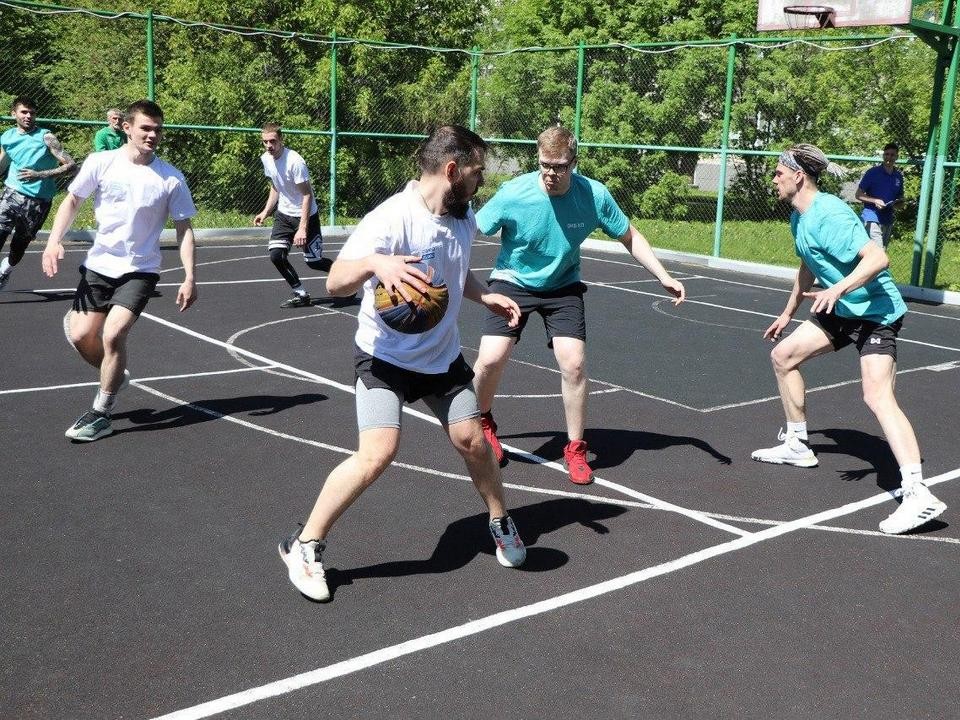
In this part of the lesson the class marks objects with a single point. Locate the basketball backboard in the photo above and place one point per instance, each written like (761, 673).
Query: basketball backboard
(846, 13)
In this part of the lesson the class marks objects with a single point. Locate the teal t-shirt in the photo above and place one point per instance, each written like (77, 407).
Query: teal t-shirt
(28, 150)
(540, 235)
(828, 238)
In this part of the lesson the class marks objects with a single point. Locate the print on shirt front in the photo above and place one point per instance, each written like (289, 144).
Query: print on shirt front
(426, 312)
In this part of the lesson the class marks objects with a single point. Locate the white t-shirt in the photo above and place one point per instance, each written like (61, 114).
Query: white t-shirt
(131, 204)
(285, 172)
(402, 225)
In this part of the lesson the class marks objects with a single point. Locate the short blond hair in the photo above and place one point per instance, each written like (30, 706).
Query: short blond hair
(557, 139)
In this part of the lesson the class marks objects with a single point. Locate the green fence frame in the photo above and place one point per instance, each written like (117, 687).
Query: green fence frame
(943, 36)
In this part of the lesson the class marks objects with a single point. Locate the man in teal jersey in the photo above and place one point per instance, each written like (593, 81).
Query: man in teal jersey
(112, 136)
(543, 218)
(859, 305)
(30, 157)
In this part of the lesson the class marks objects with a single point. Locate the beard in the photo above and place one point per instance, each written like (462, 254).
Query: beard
(457, 200)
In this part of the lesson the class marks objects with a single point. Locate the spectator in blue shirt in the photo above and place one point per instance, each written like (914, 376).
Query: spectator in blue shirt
(880, 189)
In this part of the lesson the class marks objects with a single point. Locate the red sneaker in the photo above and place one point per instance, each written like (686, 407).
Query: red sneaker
(575, 458)
(490, 433)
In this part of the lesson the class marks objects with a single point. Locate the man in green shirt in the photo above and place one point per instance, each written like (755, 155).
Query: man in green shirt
(112, 136)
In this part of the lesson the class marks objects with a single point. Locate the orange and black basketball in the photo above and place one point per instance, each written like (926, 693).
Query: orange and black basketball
(424, 313)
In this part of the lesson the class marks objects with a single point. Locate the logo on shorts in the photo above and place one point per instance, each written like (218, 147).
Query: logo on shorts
(875, 341)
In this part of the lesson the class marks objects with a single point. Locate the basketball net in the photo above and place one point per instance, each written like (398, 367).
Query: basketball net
(808, 17)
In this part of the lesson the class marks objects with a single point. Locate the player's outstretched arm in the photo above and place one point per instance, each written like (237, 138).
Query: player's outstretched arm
(475, 290)
(268, 208)
(801, 284)
(53, 252)
(187, 294)
(638, 246)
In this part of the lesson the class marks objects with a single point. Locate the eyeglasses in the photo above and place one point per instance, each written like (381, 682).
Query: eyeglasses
(556, 168)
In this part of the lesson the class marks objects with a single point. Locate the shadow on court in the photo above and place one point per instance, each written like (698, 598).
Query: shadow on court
(609, 447)
(148, 419)
(866, 447)
(37, 296)
(468, 537)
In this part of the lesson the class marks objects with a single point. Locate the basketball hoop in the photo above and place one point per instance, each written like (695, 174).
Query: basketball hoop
(808, 17)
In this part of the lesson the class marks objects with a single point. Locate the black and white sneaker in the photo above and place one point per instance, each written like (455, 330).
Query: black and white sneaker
(304, 561)
(297, 300)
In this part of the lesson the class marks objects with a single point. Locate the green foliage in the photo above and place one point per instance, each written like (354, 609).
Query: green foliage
(848, 102)
(666, 198)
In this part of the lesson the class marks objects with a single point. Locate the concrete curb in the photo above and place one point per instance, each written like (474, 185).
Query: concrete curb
(910, 292)
(342, 232)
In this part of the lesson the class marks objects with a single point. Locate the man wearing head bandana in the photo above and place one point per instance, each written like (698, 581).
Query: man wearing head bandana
(859, 304)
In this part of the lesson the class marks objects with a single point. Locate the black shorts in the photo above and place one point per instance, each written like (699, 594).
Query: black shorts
(22, 217)
(285, 227)
(561, 309)
(377, 373)
(870, 338)
(97, 293)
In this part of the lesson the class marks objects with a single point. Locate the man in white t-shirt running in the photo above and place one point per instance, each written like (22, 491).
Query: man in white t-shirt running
(134, 193)
(296, 220)
(411, 256)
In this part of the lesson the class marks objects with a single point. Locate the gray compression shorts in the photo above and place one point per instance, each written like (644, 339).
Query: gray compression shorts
(380, 407)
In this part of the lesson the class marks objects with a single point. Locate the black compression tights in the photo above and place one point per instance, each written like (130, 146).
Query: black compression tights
(278, 256)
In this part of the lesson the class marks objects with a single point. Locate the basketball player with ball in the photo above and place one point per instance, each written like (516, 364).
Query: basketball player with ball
(411, 256)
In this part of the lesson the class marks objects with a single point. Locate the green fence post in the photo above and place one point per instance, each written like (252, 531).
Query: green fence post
(333, 131)
(151, 71)
(933, 227)
(474, 77)
(578, 109)
(724, 144)
(936, 106)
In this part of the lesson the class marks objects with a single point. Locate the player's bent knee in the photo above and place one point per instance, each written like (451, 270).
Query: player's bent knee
(278, 256)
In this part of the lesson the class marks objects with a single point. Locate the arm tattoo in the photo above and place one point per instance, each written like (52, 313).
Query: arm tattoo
(67, 163)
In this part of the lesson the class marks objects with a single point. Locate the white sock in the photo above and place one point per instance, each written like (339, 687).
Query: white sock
(299, 290)
(104, 402)
(910, 475)
(5, 266)
(798, 430)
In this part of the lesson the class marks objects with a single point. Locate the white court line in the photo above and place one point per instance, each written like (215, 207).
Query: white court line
(184, 376)
(466, 478)
(40, 291)
(661, 296)
(613, 386)
(545, 396)
(938, 367)
(475, 627)
(691, 514)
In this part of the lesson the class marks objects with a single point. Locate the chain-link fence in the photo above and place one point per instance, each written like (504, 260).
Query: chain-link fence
(685, 135)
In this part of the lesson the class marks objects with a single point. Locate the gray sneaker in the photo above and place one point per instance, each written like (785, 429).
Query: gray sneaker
(4, 279)
(90, 426)
(510, 549)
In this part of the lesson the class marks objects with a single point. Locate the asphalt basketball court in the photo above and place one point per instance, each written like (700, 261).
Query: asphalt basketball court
(141, 577)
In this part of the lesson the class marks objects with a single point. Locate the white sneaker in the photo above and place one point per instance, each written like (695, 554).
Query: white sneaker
(304, 561)
(918, 506)
(510, 549)
(793, 451)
